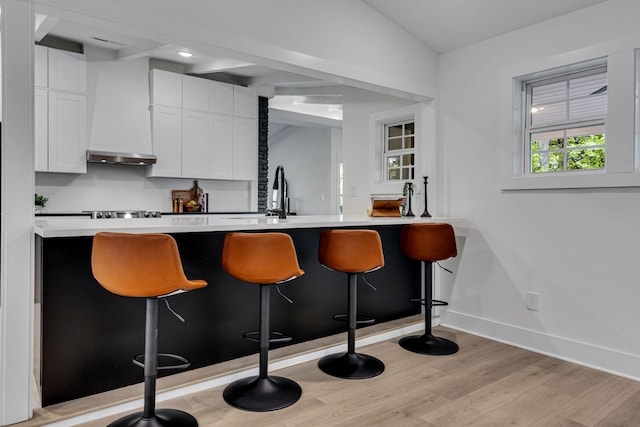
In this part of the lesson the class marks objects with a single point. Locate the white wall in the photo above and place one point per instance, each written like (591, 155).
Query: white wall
(358, 145)
(577, 248)
(120, 187)
(306, 153)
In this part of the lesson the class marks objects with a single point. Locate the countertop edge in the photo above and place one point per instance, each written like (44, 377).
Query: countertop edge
(52, 227)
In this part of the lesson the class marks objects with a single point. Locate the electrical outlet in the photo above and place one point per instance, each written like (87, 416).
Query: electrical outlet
(533, 301)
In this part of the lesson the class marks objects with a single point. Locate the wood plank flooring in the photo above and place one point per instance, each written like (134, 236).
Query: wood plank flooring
(485, 384)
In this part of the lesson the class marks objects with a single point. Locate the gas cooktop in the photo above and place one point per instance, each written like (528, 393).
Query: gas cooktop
(124, 214)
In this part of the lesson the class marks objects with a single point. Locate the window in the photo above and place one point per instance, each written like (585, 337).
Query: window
(399, 151)
(564, 123)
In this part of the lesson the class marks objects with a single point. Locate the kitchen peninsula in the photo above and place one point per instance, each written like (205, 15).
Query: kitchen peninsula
(89, 335)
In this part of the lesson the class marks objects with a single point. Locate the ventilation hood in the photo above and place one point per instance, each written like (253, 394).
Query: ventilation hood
(115, 158)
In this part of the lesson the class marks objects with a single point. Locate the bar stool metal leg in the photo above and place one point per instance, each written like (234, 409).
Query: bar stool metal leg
(263, 393)
(150, 417)
(351, 365)
(428, 343)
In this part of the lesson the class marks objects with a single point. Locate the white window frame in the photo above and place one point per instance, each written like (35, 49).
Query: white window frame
(623, 160)
(529, 129)
(400, 152)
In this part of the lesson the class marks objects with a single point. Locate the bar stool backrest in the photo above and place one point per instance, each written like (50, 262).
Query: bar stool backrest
(260, 258)
(139, 265)
(428, 242)
(351, 251)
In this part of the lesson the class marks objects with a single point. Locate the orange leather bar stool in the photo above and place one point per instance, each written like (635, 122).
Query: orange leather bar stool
(352, 252)
(428, 243)
(264, 259)
(145, 266)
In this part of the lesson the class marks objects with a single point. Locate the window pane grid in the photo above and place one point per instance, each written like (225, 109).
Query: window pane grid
(399, 148)
(567, 150)
(565, 122)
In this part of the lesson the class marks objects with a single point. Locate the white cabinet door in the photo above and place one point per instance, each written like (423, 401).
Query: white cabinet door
(166, 88)
(67, 71)
(67, 132)
(245, 149)
(245, 102)
(196, 144)
(40, 66)
(222, 146)
(41, 130)
(220, 98)
(166, 139)
(195, 93)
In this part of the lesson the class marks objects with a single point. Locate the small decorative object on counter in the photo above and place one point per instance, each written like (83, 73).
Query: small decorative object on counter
(408, 192)
(426, 213)
(40, 201)
(195, 204)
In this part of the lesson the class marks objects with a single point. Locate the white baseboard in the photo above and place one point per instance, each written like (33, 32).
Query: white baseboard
(601, 358)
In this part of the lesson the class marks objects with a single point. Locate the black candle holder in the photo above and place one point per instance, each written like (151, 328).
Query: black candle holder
(426, 213)
(409, 193)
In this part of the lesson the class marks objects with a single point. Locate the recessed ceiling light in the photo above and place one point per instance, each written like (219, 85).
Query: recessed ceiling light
(185, 54)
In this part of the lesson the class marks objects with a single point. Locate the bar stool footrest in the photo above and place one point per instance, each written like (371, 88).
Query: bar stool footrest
(138, 360)
(360, 320)
(434, 302)
(274, 337)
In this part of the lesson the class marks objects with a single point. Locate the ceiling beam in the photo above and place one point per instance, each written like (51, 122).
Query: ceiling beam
(217, 65)
(139, 50)
(44, 24)
(319, 89)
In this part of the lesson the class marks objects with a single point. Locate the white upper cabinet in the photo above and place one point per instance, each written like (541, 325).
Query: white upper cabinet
(67, 132)
(166, 88)
(60, 112)
(67, 71)
(245, 149)
(220, 98)
(196, 144)
(195, 93)
(211, 141)
(166, 131)
(245, 102)
(221, 159)
(207, 95)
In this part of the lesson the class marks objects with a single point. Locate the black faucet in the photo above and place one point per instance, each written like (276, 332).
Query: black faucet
(280, 193)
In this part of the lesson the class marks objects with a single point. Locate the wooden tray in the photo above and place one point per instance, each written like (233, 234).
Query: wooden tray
(386, 208)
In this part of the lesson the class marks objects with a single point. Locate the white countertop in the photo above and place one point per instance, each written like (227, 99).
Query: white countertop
(68, 227)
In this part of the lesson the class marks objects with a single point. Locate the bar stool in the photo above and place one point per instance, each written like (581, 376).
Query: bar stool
(351, 252)
(145, 266)
(264, 259)
(428, 243)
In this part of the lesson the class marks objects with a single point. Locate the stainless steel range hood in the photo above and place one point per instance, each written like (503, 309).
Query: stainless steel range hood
(114, 158)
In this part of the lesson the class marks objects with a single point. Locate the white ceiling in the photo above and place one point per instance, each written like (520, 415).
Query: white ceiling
(444, 25)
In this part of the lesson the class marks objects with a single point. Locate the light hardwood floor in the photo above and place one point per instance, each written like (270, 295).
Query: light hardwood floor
(485, 384)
